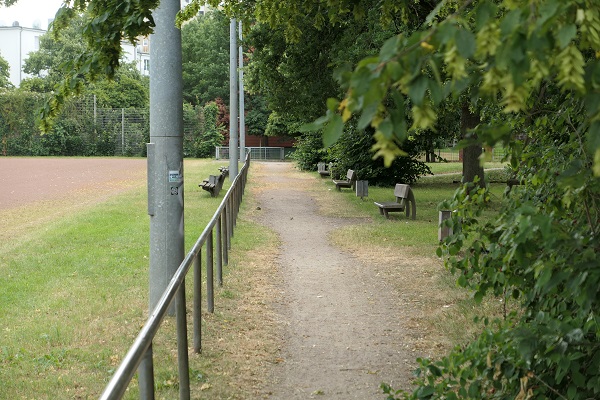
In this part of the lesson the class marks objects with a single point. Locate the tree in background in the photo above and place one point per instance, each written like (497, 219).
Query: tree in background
(4, 73)
(127, 89)
(203, 131)
(205, 44)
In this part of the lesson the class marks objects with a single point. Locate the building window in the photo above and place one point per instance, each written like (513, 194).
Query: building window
(36, 43)
(146, 65)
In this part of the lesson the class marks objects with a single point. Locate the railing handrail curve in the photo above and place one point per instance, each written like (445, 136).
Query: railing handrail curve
(126, 370)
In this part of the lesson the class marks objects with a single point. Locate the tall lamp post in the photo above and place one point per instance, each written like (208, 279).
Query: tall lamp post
(233, 112)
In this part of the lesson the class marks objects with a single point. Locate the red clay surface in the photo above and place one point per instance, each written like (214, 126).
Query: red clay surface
(27, 180)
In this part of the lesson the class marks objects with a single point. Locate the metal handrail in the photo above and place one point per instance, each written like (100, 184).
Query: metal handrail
(223, 221)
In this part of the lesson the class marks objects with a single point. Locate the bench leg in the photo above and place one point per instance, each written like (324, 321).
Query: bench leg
(380, 211)
(385, 212)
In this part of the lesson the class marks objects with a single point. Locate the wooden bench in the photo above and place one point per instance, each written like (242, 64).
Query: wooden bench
(324, 169)
(213, 184)
(348, 183)
(405, 201)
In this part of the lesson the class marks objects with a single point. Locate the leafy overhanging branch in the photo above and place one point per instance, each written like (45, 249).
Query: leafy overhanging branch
(107, 24)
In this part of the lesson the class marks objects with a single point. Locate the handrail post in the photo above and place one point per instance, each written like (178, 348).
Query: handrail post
(182, 344)
(231, 218)
(146, 376)
(229, 225)
(210, 292)
(219, 252)
(224, 235)
(197, 315)
(140, 355)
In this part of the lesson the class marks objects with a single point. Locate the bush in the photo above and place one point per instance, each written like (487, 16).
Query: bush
(310, 151)
(353, 151)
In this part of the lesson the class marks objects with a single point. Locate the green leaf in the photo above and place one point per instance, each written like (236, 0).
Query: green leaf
(417, 89)
(485, 11)
(548, 10)
(333, 130)
(465, 43)
(332, 104)
(315, 125)
(593, 138)
(565, 34)
(511, 22)
(437, 94)
(367, 115)
(389, 48)
(387, 128)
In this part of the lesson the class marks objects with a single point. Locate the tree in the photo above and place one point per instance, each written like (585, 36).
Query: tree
(4, 73)
(205, 44)
(128, 88)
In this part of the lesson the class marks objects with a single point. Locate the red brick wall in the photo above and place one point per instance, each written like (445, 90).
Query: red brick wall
(266, 141)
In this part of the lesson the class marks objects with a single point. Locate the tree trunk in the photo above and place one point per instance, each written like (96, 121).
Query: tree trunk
(471, 166)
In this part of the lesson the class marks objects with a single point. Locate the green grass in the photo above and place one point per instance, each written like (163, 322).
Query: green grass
(74, 291)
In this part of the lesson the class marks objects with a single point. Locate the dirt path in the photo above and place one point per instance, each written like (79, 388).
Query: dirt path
(341, 334)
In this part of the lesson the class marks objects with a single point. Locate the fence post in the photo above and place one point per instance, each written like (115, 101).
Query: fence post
(146, 376)
(210, 292)
(197, 315)
(219, 251)
(225, 235)
(122, 131)
(182, 344)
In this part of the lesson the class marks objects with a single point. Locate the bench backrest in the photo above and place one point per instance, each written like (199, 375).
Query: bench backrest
(213, 179)
(351, 175)
(402, 191)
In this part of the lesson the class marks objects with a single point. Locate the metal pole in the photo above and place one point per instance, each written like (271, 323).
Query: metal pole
(241, 84)
(122, 131)
(233, 112)
(225, 234)
(166, 132)
(197, 315)
(165, 169)
(219, 252)
(182, 345)
(210, 291)
(146, 376)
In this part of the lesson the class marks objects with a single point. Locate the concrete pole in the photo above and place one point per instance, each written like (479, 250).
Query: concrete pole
(233, 112)
(165, 167)
(165, 161)
(242, 115)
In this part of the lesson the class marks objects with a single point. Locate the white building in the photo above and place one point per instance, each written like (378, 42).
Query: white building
(16, 42)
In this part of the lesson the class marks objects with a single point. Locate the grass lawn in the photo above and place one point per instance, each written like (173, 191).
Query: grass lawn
(74, 295)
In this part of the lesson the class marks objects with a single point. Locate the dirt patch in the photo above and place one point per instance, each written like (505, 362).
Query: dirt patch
(342, 335)
(35, 190)
(27, 180)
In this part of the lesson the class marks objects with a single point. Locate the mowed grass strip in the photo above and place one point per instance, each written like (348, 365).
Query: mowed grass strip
(74, 292)
(437, 314)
